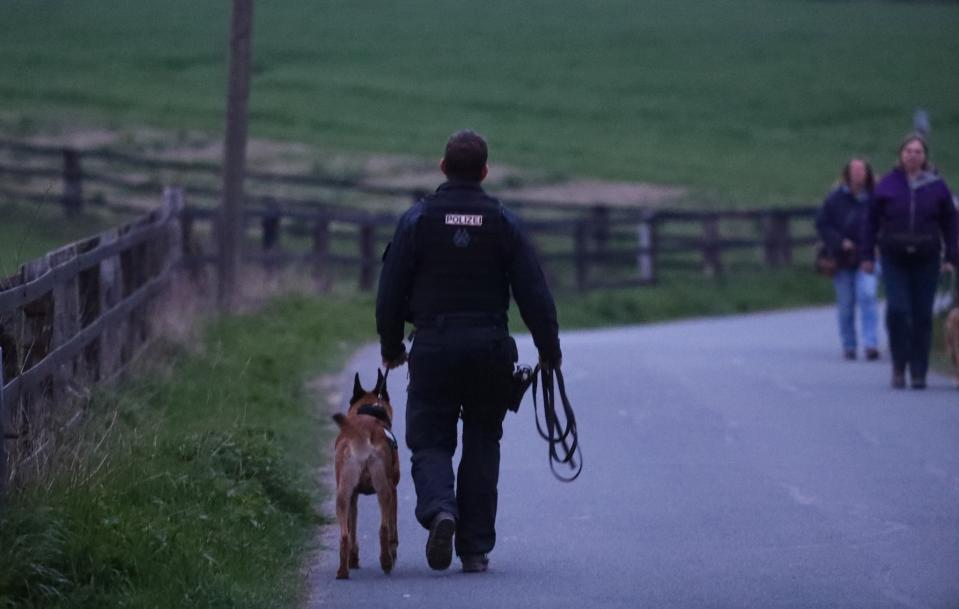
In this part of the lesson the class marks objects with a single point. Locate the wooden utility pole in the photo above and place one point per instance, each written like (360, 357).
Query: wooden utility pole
(234, 151)
(3, 437)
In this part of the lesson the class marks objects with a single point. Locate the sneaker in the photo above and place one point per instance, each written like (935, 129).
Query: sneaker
(898, 380)
(439, 544)
(474, 563)
(919, 383)
(849, 354)
(872, 354)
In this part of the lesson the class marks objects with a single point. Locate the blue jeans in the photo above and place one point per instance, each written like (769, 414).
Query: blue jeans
(855, 287)
(910, 292)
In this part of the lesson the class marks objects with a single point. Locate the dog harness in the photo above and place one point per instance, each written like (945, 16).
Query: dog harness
(378, 412)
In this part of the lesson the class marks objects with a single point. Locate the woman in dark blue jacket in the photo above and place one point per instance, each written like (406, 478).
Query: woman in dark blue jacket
(913, 219)
(840, 226)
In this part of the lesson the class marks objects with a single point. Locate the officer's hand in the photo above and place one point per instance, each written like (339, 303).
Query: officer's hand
(546, 364)
(947, 267)
(396, 362)
(868, 267)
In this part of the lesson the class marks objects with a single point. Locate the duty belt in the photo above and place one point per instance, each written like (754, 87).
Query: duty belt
(462, 320)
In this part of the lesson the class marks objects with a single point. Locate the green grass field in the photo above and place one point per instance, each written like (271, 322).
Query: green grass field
(31, 230)
(746, 101)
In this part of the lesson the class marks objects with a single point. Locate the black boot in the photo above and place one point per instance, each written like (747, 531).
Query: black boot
(898, 379)
(439, 545)
(474, 563)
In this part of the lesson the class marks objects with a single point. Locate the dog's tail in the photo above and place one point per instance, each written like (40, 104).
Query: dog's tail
(340, 419)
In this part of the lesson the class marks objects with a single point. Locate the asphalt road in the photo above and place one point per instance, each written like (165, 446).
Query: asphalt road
(729, 463)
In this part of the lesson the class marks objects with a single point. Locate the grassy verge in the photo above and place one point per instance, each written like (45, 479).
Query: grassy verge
(201, 492)
(680, 296)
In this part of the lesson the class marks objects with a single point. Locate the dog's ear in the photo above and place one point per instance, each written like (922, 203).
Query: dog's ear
(357, 389)
(380, 388)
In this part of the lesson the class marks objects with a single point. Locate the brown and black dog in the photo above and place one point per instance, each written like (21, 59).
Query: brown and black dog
(367, 462)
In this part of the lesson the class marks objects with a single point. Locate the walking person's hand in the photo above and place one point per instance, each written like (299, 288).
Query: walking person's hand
(550, 364)
(947, 267)
(848, 245)
(868, 267)
(396, 362)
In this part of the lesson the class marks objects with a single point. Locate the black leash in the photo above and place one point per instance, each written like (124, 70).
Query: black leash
(386, 375)
(562, 437)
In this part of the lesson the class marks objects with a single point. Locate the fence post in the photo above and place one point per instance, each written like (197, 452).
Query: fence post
(785, 241)
(367, 260)
(580, 237)
(712, 254)
(66, 319)
(321, 250)
(72, 199)
(175, 202)
(111, 292)
(191, 251)
(778, 249)
(270, 224)
(3, 434)
(646, 242)
(600, 233)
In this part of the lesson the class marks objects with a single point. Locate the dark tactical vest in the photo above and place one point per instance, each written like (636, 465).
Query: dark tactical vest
(461, 256)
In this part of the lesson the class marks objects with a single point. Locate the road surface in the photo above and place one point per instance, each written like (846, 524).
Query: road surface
(729, 463)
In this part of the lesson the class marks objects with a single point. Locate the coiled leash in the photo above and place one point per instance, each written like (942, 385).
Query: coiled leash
(563, 438)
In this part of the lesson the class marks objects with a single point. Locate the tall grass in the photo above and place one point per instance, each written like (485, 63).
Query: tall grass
(197, 486)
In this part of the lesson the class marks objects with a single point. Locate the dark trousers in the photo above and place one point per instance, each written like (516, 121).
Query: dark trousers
(459, 372)
(910, 291)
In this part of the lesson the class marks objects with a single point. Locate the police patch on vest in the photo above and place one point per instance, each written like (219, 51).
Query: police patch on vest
(461, 238)
(464, 220)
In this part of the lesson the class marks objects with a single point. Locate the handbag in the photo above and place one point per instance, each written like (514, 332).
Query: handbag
(825, 263)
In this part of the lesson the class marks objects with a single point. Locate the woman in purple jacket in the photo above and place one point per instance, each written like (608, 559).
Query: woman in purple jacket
(913, 219)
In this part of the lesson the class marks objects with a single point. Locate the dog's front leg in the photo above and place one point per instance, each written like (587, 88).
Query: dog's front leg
(386, 533)
(383, 488)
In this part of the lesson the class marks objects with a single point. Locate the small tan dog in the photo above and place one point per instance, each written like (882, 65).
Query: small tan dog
(367, 462)
(952, 342)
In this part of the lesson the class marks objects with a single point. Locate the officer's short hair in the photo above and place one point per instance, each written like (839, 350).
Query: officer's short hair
(465, 155)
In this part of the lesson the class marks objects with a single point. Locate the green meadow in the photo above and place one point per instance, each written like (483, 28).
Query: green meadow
(746, 102)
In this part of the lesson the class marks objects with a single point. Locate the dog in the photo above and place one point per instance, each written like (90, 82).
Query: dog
(952, 342)
(367, 462)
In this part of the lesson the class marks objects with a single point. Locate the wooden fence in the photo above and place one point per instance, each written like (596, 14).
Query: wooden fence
(338, 226)
(618, 249)
(79, 315)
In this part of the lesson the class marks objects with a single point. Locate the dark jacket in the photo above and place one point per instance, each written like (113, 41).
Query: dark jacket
(842, 216)
(406, 293)
(905, 214)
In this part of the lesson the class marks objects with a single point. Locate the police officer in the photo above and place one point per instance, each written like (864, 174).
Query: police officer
(449, 270)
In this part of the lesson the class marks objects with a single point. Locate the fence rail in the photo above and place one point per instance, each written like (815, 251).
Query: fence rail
(78, 315)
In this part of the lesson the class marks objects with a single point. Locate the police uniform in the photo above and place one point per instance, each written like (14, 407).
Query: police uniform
(449, 270)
